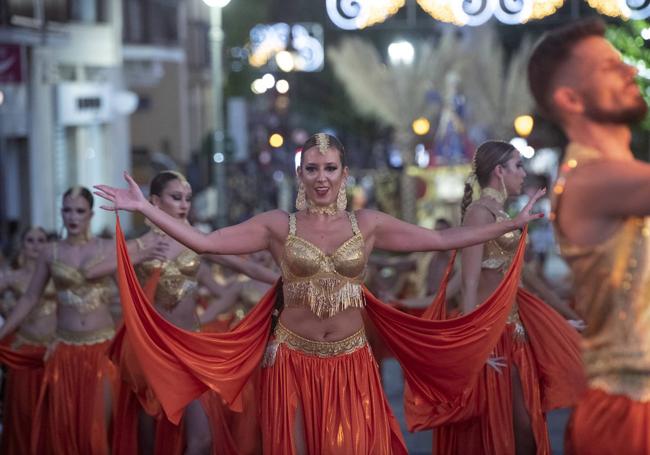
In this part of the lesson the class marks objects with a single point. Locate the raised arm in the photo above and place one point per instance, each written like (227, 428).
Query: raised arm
(248, 237)
(247, 267)
(471, 258)
(391, 234)
(29, 300)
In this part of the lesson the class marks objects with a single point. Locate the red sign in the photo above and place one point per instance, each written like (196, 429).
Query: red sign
(10, 64)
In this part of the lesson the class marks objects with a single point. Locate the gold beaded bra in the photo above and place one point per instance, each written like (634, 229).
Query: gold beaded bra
(178, 277)
(498, 253)
(325, 284)
(75, 291)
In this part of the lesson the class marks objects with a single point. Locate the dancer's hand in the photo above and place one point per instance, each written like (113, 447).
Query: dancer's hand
(497, 363)
(130, 198)
(155, 247)
(577, 324)
(524, 217)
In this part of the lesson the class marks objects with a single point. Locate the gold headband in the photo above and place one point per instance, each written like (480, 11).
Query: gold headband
(323, 143)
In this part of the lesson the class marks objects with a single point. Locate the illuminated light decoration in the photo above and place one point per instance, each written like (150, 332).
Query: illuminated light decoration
(268, 80)
(359, 14)
(401, 52)
(627, 9)
(524, 125)
(269, 44)
(276, 140)
(477, 12)
(217, 3)
(282, 86)
(421, 126)
(284, 60)
(258, 86)
(522, 146)
(2, 97)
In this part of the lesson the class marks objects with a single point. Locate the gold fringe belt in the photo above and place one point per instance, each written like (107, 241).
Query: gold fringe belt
(323, 349)
(88, 337)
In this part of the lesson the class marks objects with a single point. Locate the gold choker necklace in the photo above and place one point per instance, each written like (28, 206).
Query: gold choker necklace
(498, 196)
(321, 209)
(77, 240)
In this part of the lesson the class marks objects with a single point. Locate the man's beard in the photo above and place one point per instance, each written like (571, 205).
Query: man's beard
(624, 116)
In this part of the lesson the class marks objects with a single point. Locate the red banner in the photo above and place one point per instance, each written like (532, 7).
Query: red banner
(10, 64)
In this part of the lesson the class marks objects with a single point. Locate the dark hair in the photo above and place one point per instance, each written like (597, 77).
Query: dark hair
(551, 52)
(489, 155)
(160, 181)
(82, 191)
(314, 141)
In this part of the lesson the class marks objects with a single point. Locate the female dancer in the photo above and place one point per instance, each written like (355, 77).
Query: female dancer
(321, 391)
(23, 352)
(173, 283)
(74, 404)
(535, 366)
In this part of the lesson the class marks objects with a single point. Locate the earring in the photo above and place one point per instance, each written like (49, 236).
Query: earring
(503, 188)
(342, 198)
(301, 200)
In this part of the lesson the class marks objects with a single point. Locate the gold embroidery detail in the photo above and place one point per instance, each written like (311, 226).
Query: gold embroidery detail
(87, 337)
(323, 143)
(28, 338)
(633, 385)
(177, 278)
(293, 341)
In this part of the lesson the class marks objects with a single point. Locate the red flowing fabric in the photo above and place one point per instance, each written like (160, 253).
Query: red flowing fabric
(604, 424)
(180, 365)
(548, 366)
(441, 359)
(71, 411)
(22, 384)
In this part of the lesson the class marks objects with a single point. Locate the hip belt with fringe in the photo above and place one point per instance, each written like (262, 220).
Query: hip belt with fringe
(88, 337)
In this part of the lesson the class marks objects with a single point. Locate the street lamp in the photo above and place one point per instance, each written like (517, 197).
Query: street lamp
(401, 52)
(218, 135)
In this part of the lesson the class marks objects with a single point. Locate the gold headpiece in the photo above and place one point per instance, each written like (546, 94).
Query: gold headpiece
(323, 143)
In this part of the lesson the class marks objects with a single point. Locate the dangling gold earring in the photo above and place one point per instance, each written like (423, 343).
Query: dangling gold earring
(342, 198)
(503, 188)
(301, 200)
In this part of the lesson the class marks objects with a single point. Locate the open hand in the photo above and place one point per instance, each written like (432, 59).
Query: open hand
(577, 324)
(524, 217)
(130, 198)
(497, 363)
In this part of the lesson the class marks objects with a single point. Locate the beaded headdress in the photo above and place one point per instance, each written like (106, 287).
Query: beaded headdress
(323, 143)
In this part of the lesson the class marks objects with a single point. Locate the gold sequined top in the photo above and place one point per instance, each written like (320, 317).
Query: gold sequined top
(46, 304)
(178, 277)
(612, 293)
(325, 284)
(498, 255)
(74, 290)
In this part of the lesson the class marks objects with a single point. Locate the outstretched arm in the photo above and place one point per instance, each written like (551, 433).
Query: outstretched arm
(105, 263)
(247, 267)
(29, 300)
(248, 237)
(538, 287)
(395, 235)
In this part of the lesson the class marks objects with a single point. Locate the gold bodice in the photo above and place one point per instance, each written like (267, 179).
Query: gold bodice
(612, 293)
(178, 277)
(326, 284)
(498, 253)
(46, 304)
(75, 291)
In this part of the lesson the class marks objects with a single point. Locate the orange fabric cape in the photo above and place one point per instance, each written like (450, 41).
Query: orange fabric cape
(440, 358)
(20, 359)
(555, 345)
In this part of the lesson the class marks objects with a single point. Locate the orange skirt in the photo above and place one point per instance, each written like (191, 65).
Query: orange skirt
(326, 397)
(71, 411)
(22, 386)
(485, 424)
(604, 424)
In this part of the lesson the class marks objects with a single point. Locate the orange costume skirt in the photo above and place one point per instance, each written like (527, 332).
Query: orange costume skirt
(604, 424)
(22, 385)
(542, 348)
(72, 405)
(325, 397)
